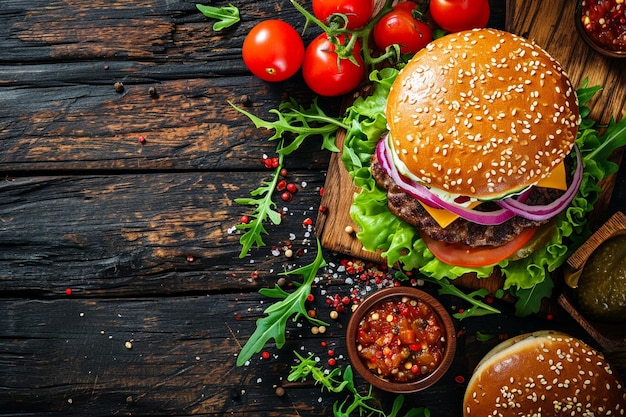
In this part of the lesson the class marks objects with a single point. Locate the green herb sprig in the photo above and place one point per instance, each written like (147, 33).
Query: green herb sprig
(355, 403)
(294, 125)
(290, 305)
(478, 307)
(300, 123)
(264, 211)
(226, 16)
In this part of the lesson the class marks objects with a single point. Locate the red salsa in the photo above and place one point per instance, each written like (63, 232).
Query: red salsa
(605, 23)
(401, 339)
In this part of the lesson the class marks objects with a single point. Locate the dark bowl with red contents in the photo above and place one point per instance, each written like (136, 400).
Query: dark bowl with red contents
(602, 24)
(401, 340)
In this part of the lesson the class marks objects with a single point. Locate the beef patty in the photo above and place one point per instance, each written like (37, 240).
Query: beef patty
(460, 230)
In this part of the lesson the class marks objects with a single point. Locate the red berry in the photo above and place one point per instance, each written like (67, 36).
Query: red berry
(286, 196)
(282, 184)
(245, 219)
(332, 362)
(265, 354)
(291, 187)
(310, 297)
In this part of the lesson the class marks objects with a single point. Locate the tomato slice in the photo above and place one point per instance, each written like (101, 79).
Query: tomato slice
(465, 256)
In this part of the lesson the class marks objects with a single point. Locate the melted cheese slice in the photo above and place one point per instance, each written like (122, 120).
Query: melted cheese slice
(556, 179)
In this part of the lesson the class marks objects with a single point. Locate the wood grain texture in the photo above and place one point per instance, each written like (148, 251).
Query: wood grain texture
(60, 111)
(127, 234)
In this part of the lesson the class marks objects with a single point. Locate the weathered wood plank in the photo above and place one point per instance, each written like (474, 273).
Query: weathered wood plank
(78, 127)
(164, 31)
(132, 234)
(61, 60)
(177, 364)
(69, 356)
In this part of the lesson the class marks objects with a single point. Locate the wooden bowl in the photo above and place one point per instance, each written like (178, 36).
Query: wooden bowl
(610, 336)
(440, 313)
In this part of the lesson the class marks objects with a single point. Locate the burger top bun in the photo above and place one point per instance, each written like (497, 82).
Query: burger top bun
(544, 374)
(481, 113)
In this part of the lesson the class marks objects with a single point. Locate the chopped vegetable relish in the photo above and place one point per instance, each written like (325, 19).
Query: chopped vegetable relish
(605, 22)
(401, 339)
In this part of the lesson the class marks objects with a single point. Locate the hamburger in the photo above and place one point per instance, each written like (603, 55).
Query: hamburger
(478, 123)
(545, 373)
(479, 157)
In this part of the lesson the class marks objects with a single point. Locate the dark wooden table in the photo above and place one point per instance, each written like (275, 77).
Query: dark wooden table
(121, 287)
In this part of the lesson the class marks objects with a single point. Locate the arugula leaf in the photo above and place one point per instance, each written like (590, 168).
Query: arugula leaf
(265, 209)
(298, 123)
(227, 15)
(301, 123)
(273, 326)
(355, 402)
(308, 366)
(529, 299)
(585, 94)
(484, 337)
(478, 308)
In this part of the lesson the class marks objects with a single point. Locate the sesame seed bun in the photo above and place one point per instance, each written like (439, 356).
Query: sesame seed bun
(545, 373)
(481, 113)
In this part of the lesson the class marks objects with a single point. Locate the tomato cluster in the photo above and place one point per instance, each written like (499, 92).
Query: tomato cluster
(337, 61)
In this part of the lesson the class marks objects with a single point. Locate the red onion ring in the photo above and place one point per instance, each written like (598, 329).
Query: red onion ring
(510, 206)
(423, 194)
(544, 212)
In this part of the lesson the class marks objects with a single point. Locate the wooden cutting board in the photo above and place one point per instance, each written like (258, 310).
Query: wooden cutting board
(550, 23)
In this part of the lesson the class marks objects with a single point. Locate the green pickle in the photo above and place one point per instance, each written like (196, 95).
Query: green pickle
(601, 292)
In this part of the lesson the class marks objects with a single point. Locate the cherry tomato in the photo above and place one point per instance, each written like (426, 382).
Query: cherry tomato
(475, 257)
(458, 15)
(358, 12)
(273, 50)
(401, 26)
(325, 73)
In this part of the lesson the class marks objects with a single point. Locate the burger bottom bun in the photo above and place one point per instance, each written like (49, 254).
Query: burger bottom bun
(544, 374)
